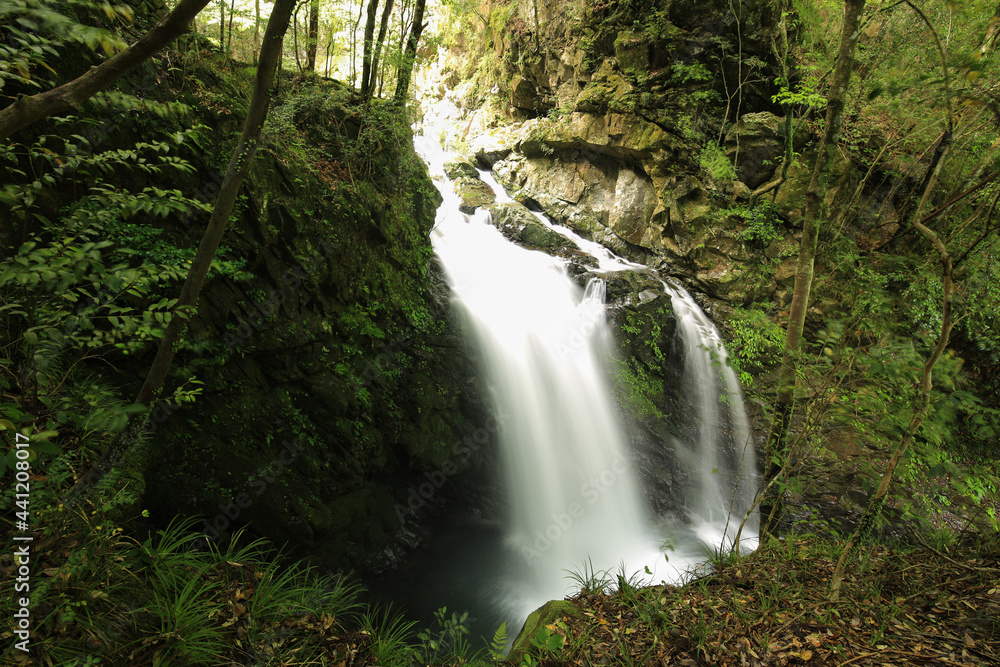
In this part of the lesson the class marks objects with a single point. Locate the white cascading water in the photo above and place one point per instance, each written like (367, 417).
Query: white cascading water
(574, 500)
(720, 455)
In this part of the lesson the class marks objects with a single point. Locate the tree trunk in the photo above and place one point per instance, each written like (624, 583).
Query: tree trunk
(256, 27)
(354, 43)
(919, 223)
(222, 24)
(69, 96)
(229, 40)
(329, 48)
(410, 57)
(366, 58)
(383, 28)
(239, 164)
(777, 446)
(295, 39)
(313, 42)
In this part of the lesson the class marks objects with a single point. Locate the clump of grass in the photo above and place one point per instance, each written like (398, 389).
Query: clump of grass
(167, 601)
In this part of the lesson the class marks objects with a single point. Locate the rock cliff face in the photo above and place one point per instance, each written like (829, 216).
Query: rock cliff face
(646, 126)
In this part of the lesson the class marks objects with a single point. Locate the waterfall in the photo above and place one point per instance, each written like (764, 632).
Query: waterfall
(574, 497)
(719, 453)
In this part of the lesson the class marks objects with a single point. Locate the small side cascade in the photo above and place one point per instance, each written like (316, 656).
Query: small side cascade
(720, 455)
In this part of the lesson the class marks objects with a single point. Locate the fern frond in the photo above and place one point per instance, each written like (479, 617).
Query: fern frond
(498, 646)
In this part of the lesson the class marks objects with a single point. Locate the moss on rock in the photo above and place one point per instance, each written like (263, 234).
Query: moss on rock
(549, 613)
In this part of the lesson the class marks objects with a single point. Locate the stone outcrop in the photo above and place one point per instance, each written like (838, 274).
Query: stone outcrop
(473, 193)
(521, 226)
(335, 377)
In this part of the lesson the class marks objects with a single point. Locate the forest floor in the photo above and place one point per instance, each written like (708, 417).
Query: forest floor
(919, 606)
(934, 604)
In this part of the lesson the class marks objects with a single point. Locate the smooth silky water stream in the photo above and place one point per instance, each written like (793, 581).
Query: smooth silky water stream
(574, 501)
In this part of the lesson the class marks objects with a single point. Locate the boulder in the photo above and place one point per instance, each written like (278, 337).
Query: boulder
(632, 288)
(520, 225)
(790, 200)
(489, 149)
(549, 613)
(755, 143)
(633, 206)
(474, 193)
(632, 50)
(460, 167)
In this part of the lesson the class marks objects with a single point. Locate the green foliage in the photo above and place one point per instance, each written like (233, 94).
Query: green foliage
(446, 641)
(762, 225)
(165, 600)
(713, 160)
(548, 641)
(65, 305)
(498, 645)
(804, 94)
(36, 29)
(640, 388)
(683, 74)
(756, 341)
(638, 372)
(391, 634)
(588, 580)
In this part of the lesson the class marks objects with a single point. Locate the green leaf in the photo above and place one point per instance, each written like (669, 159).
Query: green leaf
(45, 447)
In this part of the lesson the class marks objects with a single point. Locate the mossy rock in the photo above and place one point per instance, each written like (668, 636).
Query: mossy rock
(538, 235)
(519, 225)
(460, 168)
(474, 193)
(632, 50)
(549, 613)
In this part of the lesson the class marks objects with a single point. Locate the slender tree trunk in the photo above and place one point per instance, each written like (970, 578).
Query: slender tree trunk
(919, 223)
(410, 56)
(383, 28)
(366, 58)
(329, 48)
(405, 25)
(69, 96)
(256, 27)
(777, 449)
(354, 43)
(313, 42)
(269, 62)
(229, 40)
(222, 24)
(295, 39)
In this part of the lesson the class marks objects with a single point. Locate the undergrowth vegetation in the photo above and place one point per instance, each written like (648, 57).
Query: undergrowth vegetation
(902, 605)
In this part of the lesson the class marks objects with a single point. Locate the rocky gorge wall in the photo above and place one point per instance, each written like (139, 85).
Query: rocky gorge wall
(656, 136)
